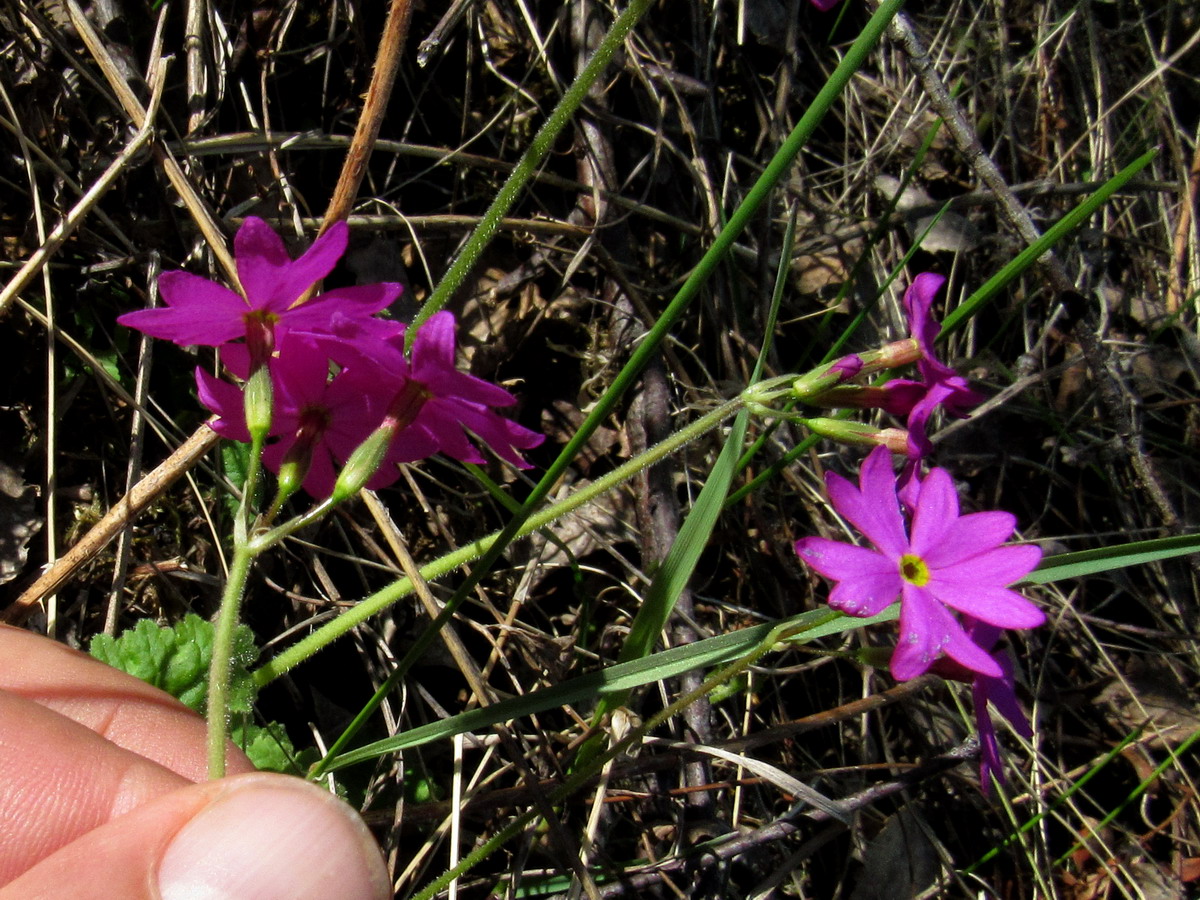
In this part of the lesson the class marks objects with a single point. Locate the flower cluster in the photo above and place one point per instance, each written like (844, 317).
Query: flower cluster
(951, 572)
(937, 385)
(338, 373)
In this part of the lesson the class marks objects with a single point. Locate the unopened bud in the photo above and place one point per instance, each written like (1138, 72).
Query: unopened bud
(849, 432)
(259, 399)
(897, 397)
(824, 378)
(890, 356)
(363, 463)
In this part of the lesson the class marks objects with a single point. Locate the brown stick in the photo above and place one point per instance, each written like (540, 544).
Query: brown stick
(387, 64)
(123, 512)
(149, 488)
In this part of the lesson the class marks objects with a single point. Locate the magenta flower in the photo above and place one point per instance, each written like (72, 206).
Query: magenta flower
(202, 312)
(433, 402)
(825, 5)
(950, 562)
(1000, 692)
(317, 420)
(918, 301)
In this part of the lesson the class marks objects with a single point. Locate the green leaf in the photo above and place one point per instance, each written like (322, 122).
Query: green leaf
(1118, 556)
(616, 679)
(1034, 251)
(176, 659)
(269, 747)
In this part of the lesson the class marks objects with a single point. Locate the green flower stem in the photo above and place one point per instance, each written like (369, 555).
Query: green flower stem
(384, 598)
(222, 655)
(526, 167)
(219, 667)
(268, 539)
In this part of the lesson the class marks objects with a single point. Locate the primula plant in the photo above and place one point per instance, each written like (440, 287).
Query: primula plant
(328, 385)
(674, 463)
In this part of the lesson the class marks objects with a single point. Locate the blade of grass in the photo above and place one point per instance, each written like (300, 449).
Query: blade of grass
(614, 679)
(1118, 556)
(1053, 235)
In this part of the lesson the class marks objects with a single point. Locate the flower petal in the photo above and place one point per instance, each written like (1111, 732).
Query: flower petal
(924, 631)
(320, 478)
(873, 510)
(1000, 567)
(300, 372)
(499, 433)
(935, 514)
(927, 629)
(411, 444)
(358, 304)
(866, 594)
(967, 653)
(270, 278)
(839, 561)
(970, 536)
(433, 349)
(989, 748)
(226, 402)
(439, 418)
(198, 312)
(918, 303)
(995, 605)
(1001, 692)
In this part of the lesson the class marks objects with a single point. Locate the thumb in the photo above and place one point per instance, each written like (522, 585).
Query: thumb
(262, 836)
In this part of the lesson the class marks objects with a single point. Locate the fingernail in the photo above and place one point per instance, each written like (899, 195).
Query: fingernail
(270, 837)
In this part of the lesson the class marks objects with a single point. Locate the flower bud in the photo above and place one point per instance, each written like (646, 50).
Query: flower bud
(259, 400)
(897, 397)
(890, 356)
(849, 432)
(363, 463)
(824, 378)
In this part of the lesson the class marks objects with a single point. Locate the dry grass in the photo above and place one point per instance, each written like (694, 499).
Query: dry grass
(258, 113)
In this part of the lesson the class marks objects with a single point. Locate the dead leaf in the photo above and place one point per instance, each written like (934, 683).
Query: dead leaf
(19, 522)
(900, 861)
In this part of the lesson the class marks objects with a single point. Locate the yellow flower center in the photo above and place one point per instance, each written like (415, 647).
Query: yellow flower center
(913, 570)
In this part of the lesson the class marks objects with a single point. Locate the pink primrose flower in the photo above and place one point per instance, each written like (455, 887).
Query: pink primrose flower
(960, 397)
(317, 420)
(202, 312)
(943, 561)
(999, 692)
(432, 402)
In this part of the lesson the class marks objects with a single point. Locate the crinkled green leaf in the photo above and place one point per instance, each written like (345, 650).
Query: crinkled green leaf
(176, 659)
(269, 747)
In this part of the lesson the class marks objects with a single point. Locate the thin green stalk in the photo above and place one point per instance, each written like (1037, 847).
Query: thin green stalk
(259, 406)
(382, 599)
(527, 166)
(222, 655)
(269, 539)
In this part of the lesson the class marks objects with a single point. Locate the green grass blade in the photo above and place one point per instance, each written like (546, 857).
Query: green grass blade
(1106, 559)
(1053, 235)
(615, 679)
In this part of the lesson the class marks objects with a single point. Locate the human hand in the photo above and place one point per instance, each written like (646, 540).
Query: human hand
(99, 798)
